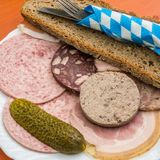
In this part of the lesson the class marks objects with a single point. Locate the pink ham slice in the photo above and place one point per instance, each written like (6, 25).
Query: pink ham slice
(60, 107)
(115, 140)
(25, 69)
(103, 66)
(150, 96)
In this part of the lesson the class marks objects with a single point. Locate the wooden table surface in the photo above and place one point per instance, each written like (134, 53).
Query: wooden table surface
(10, 17)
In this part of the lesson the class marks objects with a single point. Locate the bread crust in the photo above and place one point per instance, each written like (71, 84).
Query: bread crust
(139, 61)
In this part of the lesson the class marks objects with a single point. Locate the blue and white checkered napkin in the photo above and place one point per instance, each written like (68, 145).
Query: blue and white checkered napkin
(123, 27)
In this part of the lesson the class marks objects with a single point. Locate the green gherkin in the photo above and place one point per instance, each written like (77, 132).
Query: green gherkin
(47, 128)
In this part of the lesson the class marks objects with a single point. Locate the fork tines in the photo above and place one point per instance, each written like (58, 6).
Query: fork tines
(72, 9)
(70, 3)
(69, 7)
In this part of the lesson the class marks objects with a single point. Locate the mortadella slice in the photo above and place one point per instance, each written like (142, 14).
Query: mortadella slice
(25, 69)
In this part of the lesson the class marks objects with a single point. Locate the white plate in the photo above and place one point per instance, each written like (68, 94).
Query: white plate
(17, 152)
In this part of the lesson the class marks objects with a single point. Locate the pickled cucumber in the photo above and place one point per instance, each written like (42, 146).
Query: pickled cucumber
(47, 128)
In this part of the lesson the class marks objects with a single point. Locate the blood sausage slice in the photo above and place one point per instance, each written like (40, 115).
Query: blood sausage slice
(71, 67)
(25, 69)
(60, 107)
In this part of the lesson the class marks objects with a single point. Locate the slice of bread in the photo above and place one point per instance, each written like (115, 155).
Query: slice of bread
(139, 61)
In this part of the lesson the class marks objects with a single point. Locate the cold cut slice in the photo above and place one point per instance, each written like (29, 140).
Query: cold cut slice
(71, 67)
(104, 66)
(150, 96)
(21, 135)
(60, 107)
(25, 69)
(36, 33)
(119, 143)
(109, 99)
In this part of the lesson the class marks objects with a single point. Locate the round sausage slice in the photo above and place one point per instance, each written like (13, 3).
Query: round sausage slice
(109, 99)
(71, 67)
(25, 70)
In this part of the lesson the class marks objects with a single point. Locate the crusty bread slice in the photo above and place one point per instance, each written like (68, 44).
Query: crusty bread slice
(139, 61)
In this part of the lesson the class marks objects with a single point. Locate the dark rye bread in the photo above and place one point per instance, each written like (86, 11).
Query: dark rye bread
(139, 61)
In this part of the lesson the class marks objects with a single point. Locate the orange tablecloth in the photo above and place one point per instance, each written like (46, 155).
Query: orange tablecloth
(10, 16)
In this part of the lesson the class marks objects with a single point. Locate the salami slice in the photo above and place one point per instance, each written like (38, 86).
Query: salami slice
(59, 107)
(25, 69)
(71, 67)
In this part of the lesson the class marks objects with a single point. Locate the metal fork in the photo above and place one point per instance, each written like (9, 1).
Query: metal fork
(72, 9)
